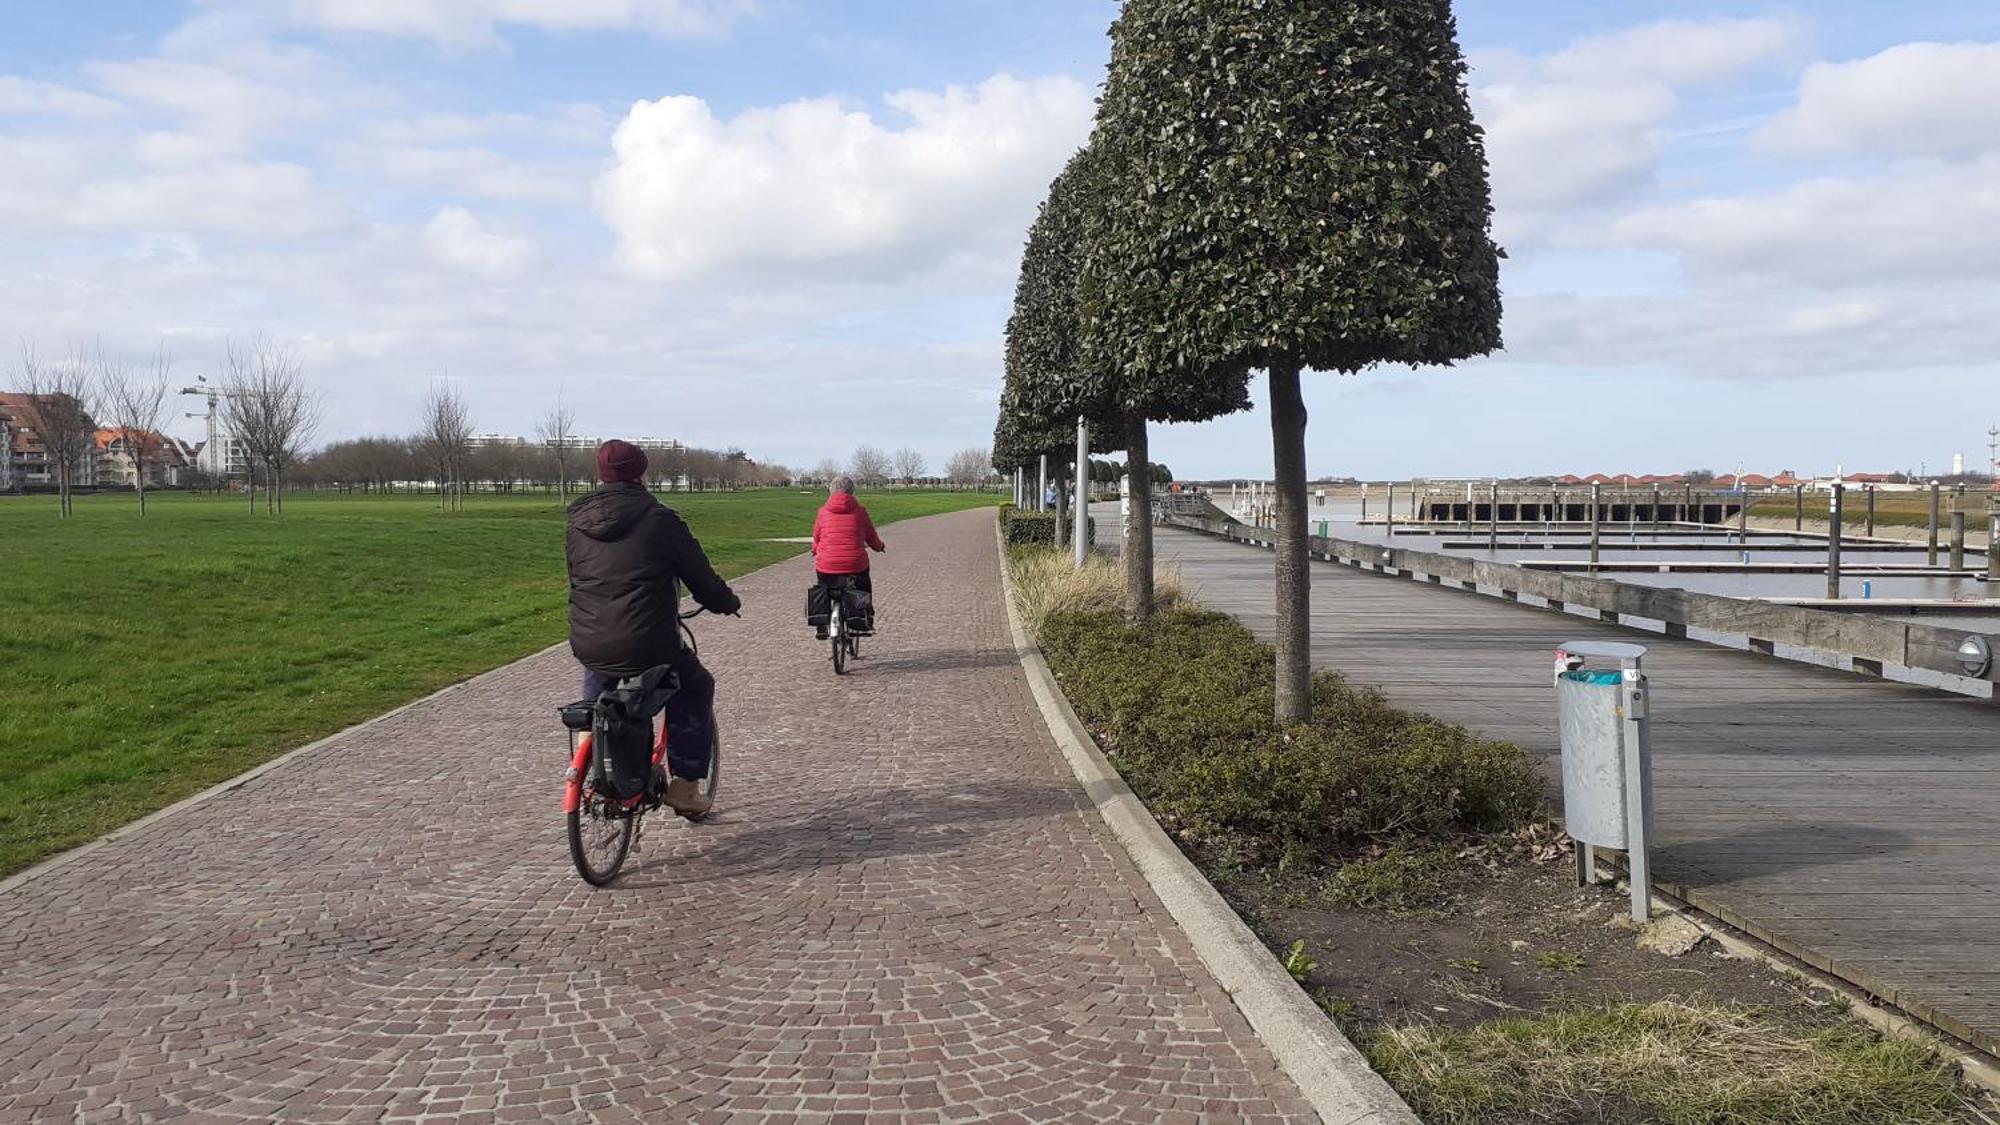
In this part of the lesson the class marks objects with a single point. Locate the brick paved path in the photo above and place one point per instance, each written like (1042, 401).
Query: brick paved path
(904, 912)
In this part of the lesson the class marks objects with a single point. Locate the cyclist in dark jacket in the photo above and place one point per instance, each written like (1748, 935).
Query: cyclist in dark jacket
(629, 555)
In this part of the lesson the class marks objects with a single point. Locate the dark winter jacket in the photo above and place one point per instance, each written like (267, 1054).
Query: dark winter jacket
(843, 535)
(629, 555)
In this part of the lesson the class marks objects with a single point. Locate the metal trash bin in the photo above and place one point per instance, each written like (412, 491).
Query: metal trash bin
(1607, 763)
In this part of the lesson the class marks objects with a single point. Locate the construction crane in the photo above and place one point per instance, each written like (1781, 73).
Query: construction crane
(217, 456)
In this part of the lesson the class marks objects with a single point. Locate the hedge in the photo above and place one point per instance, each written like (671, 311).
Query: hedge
(1183, 706)
(1033, 529)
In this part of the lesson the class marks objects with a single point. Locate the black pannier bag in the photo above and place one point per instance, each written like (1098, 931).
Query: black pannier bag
(819, 606)
(858, 608)
(623, 734)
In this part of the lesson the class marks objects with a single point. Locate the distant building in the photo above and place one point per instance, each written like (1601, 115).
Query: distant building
(27, 457)
(225, 457)
(167, 460)
(6, 456)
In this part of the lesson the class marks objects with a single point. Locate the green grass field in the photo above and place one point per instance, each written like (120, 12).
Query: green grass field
(142, 660)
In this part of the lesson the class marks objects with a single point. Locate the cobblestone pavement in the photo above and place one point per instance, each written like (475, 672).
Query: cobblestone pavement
(903, 911)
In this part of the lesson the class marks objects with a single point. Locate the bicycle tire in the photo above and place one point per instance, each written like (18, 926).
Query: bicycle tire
(839, 643)
(619, 841)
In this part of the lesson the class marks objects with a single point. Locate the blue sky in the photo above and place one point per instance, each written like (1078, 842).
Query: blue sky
(1741, 234)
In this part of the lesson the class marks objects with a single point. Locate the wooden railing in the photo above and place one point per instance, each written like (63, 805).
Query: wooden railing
(1871, 642)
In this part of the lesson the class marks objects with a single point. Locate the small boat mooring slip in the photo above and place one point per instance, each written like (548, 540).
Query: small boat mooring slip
(1697, 539)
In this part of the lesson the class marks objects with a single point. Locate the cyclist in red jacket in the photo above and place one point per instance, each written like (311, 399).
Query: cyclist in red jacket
(842, 537)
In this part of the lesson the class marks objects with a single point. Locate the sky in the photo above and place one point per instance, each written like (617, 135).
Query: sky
(1740, 235)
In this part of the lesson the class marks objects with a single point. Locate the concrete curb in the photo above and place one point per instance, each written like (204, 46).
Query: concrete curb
(1329, 1071)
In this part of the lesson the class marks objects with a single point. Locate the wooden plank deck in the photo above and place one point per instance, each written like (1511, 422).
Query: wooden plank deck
(1854, 823)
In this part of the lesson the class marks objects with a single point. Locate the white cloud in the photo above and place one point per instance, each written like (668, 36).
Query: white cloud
(1585, 125)
(815, 185)
(456, 238)
(262, 198)
(24, 96)
(1917, 99)
(1924, 222)
(1753, 330)
(478, 23)
(220, 102)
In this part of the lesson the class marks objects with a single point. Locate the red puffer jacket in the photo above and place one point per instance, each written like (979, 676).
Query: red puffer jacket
(843, 535)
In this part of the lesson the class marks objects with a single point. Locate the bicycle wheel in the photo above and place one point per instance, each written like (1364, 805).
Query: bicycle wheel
(711, 784)
(600, 837)
(839, 633)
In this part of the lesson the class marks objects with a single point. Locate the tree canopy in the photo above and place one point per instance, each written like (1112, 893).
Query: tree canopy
(1287, 182)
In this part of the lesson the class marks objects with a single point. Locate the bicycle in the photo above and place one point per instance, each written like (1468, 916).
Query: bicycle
(602, 826)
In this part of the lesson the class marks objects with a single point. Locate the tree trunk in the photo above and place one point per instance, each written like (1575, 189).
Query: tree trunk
(1288, 458)
(1138, 523)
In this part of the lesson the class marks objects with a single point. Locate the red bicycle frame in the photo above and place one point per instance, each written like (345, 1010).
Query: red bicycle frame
(579, 765)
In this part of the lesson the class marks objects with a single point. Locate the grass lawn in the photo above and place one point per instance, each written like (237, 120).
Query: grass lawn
(142, 660)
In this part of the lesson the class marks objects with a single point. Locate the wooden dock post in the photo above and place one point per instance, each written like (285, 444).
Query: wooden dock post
(1799, 508)
(1493, 518)
(1596, 524)
(1935, 490)
(1871, 511)
(1834, 517)
(1992, 542)
(1957, 535)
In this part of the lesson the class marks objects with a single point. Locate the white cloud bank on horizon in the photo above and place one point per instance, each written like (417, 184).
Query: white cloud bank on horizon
(819, 187)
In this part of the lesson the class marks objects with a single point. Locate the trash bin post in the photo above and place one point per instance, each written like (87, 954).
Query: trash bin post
(1638, 786)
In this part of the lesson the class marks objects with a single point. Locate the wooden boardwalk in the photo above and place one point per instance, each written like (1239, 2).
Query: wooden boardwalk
(1854, 823)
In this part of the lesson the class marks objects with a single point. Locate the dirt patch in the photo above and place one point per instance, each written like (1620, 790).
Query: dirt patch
(1500, 934)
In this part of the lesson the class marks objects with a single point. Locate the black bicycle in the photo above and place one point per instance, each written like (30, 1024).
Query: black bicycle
(843, 633)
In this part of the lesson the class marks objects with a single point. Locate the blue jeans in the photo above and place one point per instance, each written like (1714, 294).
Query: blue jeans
(690, 715)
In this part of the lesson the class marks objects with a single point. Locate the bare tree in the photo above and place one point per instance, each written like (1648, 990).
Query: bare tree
(870, 465)
(270, 409)
(909, 465)
(969, 468)
(137, 404)
(446, 439)
(59, 405)
(557, 431)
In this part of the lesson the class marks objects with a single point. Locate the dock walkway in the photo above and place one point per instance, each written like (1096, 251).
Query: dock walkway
(1851, 822)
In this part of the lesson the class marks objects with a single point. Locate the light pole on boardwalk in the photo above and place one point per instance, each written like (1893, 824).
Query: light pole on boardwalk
(1080, 532)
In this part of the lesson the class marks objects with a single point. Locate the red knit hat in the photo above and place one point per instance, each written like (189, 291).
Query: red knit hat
(620, 461)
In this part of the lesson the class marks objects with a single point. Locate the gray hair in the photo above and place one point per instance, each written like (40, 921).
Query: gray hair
(843, 484)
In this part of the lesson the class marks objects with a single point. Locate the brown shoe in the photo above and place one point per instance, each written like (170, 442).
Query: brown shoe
(686, 798)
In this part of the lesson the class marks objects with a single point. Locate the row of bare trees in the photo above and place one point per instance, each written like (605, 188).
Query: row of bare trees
(442, 456)
(266, 406)
(871, 467)
(271, 411)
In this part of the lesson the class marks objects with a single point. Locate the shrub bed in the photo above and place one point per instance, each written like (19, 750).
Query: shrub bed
(1184, 708)
(1033, 529)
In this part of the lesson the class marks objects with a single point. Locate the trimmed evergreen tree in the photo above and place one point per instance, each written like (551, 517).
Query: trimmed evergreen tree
(1061, 373)
(1288, 184)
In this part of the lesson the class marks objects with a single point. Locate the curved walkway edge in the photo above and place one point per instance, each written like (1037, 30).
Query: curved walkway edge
(1329, 1071)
